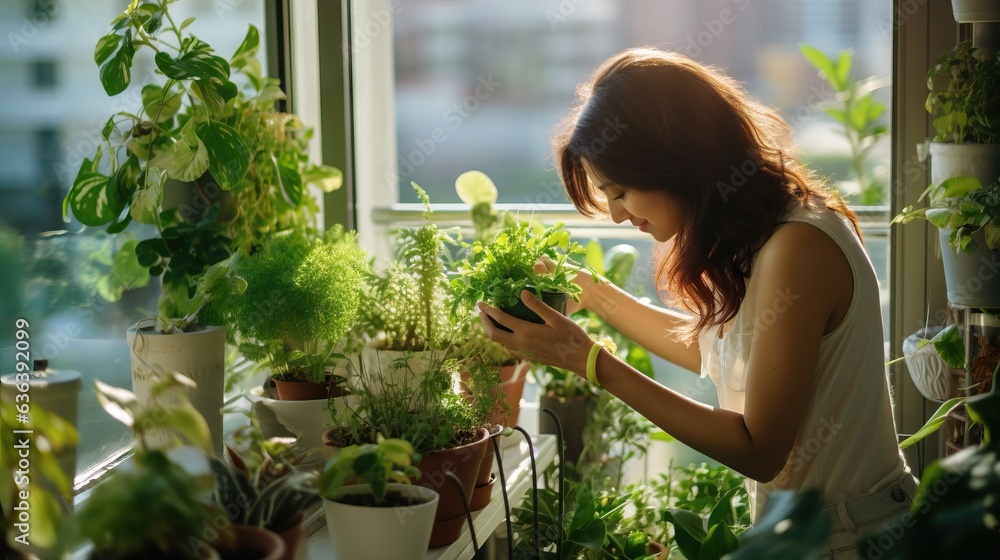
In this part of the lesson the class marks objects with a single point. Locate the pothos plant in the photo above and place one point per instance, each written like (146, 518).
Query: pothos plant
(205, 127)
(376, 464)
(963, 206)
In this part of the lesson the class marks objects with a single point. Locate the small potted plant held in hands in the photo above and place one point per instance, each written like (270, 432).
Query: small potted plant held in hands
(364, 487)
(499, 270)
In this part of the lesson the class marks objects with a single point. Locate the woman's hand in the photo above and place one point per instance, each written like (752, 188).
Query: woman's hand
(583, 279)
(558, 342)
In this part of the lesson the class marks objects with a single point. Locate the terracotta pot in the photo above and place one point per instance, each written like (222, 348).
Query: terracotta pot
(295, 390)
(483, 493)
(486, 467)
(291, 536)
(253, 543)
(464, 461)
(573, 414)
(447, 531)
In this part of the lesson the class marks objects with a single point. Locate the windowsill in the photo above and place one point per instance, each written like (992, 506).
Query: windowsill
(517, 469)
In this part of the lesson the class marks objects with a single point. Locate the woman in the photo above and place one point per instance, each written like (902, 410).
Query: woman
(782, 301)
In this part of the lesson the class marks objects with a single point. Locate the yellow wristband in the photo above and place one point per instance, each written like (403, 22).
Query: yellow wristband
(592, 363)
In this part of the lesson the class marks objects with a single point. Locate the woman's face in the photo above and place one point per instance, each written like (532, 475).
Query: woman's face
(652, 212)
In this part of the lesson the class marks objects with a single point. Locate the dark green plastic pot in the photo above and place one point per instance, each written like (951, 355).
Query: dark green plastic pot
(555, 300)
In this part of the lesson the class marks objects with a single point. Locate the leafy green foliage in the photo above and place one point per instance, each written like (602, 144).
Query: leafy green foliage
(857, 110)
(792, 527)
(301, 298)
(968, 106)
(962, 206)
(376, 464)
(194, 125)
(152, 507)
(498, 271)
(258, 484)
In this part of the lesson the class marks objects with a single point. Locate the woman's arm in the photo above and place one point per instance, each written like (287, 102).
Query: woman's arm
(646, 325)
(802, 266)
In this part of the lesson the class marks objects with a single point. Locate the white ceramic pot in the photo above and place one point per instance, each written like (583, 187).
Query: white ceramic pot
(400, 533)
(199, 354)
(981, 161)
(927, 370)
(973, 11)
(304, 420)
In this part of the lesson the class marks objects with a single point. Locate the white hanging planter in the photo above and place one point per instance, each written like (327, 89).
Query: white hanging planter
(400, 533)
(199, 354)
(927, 370)
(974, 11)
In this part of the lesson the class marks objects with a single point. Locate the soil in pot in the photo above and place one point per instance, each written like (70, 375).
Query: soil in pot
(392, 499)
(555, 300)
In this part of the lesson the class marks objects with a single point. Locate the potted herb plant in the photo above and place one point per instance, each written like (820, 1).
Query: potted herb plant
(967, 215)
(258, 484)
(407, 304)
(302, 298)
(498, 271)
(365, 487)
(444, 427)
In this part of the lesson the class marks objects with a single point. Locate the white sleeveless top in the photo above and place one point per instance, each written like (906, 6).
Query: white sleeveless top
(846, 445)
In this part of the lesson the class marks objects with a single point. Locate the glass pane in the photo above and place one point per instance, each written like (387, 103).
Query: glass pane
(54, 272)
(481, 84)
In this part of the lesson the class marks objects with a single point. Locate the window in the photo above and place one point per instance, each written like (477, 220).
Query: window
(51, 269)
(481, 84)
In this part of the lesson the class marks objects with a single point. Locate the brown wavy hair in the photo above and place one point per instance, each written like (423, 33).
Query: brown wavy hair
(652, 120)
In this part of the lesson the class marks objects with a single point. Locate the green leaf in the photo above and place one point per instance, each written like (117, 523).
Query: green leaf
(126, 273)
(327, 178)
(249, 46)
(45, 513)
(109, 127)
(116, 73)
(92, 199)
(635, 545)
(660, 435)
(723, 511)
(121, 404)
(215, 93)
(843, 70)
(474, 187)
(196, 65)
(689, 531)
(186, 23)
(184, 419)
(719, 541)
(819, 60)
(992, 231)
(145, 205)
(289, 179)
(837, 113)
(939, 217)
(949, 345)
(187, 159)
(589, 534)
(595, 256)
(961, 185)
(105, 47)
(158, 108)
(228, 155)
(933, 423)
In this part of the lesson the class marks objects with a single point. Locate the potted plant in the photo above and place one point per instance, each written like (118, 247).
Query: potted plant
(258, 484)
(204, 161)
(498, 271)
(407, 315)
(206, 132)
(967, 214)
(301, 298)
(444, 427)
(365, 488)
